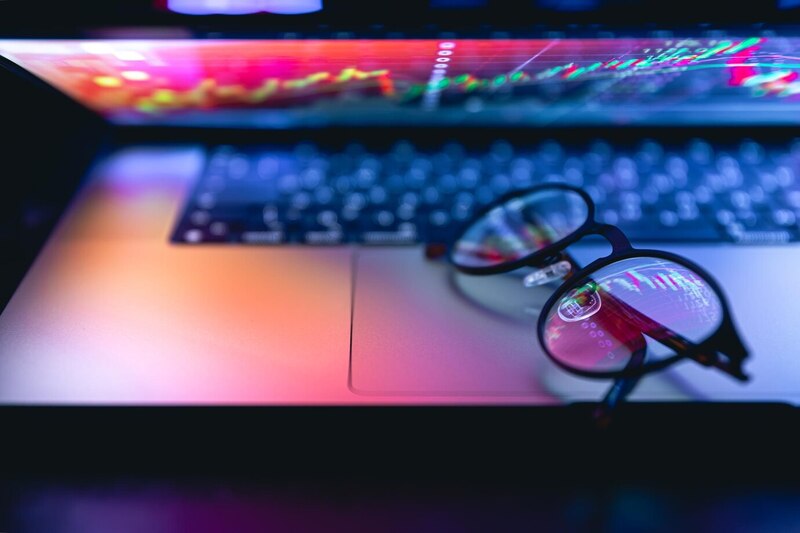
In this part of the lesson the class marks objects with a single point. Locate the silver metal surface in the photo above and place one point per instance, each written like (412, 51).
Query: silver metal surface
(419, 329)
(113, 313)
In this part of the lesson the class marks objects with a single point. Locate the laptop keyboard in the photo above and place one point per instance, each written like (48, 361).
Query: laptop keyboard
(698, 192)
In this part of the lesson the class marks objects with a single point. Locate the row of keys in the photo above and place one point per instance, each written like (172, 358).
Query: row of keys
(746, 193)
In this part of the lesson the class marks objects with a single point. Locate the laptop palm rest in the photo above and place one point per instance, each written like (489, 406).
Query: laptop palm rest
(419, 328)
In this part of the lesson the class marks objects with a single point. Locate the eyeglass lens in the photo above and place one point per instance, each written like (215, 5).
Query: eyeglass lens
(519, 227)
(601, 320)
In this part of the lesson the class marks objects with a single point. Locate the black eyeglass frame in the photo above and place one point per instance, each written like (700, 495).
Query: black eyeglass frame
(724, 340)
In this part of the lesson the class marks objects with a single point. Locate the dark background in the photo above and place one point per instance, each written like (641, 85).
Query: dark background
(658, 467)
(27, 17)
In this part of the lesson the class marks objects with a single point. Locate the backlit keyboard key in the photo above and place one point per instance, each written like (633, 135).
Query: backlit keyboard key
(701, 191)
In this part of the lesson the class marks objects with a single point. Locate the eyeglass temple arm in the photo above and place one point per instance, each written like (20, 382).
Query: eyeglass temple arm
(674, 341)
(618, 391)
(616, 394)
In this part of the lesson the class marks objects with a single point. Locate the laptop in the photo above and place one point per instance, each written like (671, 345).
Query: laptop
(272, 250)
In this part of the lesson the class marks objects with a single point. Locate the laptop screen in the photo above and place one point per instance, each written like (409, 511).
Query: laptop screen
(291, 83)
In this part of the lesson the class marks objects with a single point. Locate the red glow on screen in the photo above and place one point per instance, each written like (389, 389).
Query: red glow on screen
(284, 83)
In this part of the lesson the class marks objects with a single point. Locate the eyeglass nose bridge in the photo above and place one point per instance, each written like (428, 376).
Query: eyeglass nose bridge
(615, 237)
(560, 264)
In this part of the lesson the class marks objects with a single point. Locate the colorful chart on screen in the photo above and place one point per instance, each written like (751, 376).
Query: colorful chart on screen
(288, 83)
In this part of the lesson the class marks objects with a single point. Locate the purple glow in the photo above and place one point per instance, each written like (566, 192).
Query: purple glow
(243, 7)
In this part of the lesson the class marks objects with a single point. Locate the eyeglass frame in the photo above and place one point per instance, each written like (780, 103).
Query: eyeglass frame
(725, 340)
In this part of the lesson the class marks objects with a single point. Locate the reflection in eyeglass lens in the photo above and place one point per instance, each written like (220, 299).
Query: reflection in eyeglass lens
(520, 227)
(580, 303)
(599, 324)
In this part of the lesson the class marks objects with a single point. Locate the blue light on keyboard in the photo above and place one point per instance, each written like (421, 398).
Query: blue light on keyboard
(745, 192)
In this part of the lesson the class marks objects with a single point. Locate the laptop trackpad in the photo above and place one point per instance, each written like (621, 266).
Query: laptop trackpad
(413, 331)
(421, 328)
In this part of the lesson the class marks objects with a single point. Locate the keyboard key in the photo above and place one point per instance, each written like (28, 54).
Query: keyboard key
(263, 237)
(745, 193)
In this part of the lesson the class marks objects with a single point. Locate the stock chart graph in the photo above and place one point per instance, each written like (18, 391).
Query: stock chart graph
(535, 81)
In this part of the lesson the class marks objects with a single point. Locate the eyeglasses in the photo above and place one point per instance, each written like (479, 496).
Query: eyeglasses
(622, 316)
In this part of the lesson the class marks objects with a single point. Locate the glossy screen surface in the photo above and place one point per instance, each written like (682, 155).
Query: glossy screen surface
(629, 306)
(288, 83)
